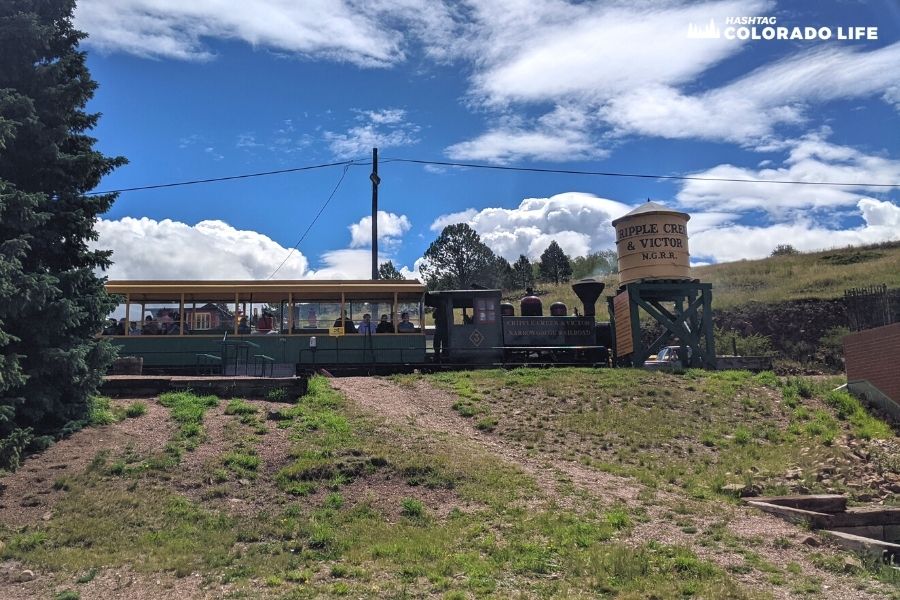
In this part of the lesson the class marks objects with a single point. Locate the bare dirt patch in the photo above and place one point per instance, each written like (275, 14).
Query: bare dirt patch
(28, 495)
(113, 584)
(237, 496)
(429, 408)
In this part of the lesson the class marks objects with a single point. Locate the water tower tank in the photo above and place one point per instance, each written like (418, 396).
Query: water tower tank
(652, 243)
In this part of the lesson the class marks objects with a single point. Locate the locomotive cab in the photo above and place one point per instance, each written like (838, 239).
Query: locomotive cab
(467, 325)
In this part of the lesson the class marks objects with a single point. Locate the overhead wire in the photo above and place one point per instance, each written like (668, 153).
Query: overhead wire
(636, 175)
(157, 186)
(316, 218)
(862, 184)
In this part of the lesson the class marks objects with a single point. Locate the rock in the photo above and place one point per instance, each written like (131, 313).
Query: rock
(735, 489)
(810, 541)
(795, 473)
(46, 516)
(894, 487)
(25, 576)
(244, 481)
(852, 565)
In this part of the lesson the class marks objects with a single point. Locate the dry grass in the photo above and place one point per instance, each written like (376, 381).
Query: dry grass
(823, 274)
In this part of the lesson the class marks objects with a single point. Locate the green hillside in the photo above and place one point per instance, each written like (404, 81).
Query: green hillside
(823, 275)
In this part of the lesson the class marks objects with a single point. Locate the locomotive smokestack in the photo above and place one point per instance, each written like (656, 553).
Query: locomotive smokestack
(588, 290)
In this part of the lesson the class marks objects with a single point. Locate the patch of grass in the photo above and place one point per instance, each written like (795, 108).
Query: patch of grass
(87, 577)
(412, 507)
(488, 423)
(239, 407)
(187, 410)
(100, 411)
(243, 463)
(67, 595)
(136, 409)
(849, 408)
(277, 395)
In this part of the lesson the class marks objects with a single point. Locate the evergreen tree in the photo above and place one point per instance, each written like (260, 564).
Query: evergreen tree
(502, 276)
(51, 302)
(555, 266)
(387, 270)
(523, 273)
(456, 259)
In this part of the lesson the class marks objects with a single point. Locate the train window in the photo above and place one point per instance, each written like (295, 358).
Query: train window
(408, 318)
(205, 317)
(485, 310)
(314, 316)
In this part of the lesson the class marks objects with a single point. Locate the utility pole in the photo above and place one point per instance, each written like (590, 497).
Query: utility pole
(375, 181)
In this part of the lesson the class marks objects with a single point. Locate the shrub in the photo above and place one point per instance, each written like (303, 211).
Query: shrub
(100, 411)
(136, 409)
(412, 507)
(239, 407)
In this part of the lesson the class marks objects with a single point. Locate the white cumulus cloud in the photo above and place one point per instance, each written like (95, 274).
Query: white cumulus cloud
(736, 242)
(811, 158)
(579, 222)
(148, 249)
(391, 228)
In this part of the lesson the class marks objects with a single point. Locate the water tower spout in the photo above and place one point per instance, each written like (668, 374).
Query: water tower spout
(588, 290)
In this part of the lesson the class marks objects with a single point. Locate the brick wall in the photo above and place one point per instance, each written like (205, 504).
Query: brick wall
(874, 355)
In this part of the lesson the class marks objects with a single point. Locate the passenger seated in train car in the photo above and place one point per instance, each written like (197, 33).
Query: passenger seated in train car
(405, 326)
(122, 327)
(344, 322)
(265, 323)
(384, 326)
(243, 326)
(367, 327)
(151, 327)
(110, 328)
(312, 320)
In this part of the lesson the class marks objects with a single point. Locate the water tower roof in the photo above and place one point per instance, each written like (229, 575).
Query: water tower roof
(651, 208)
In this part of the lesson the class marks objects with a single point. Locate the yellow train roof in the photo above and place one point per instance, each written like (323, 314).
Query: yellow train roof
(265, 290)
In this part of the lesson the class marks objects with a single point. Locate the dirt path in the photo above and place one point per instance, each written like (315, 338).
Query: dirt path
(428, 408)
(431, 409)
(28, 495)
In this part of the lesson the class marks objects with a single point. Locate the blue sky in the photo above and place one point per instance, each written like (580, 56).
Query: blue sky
(209, 89)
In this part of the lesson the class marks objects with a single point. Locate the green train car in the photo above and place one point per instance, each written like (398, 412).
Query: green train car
(277, 328)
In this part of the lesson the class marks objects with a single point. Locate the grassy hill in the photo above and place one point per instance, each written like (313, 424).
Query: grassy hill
(824, 275)
(526, 483)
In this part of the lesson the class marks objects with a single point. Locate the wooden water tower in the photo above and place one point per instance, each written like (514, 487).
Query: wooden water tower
(655, 277)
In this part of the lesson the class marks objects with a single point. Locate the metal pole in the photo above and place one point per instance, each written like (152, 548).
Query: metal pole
(375, 181)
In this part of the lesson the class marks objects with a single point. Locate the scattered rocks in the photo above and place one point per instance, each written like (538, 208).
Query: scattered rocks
(811, 541)
(795, 473)
(25, 576)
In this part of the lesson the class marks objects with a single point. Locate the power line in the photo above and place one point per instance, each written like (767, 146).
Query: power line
(636, 175)
(215, 179)
(496, 168)
(316, 218)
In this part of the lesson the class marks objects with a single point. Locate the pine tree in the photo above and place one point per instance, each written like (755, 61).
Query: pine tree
(51, 302)
(387, 270)
(456, 259)
(523, 273)
(555, 266)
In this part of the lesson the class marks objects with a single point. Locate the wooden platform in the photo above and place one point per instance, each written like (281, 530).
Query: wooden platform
(145, 386)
